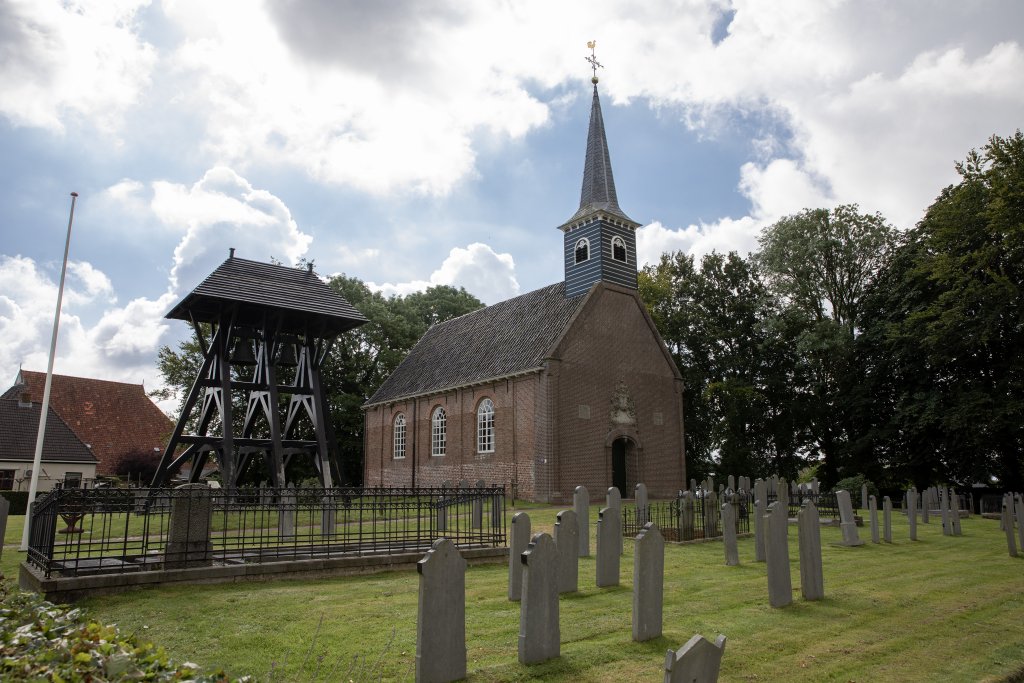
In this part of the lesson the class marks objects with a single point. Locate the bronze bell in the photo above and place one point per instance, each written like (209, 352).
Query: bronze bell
(242, 353)
(286, 356)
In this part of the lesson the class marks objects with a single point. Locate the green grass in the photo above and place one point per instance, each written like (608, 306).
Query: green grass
(942, 608)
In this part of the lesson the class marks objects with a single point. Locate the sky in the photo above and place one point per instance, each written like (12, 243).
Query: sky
(413, 143)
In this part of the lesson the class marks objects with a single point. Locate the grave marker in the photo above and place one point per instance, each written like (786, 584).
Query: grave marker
(519, 539)
(863, 496)
(732, 553)
(887, 519)
(539, 635)
(609, 534)
(581, 504)
(441, 626)
(567, 533)
(947, 523)
(1007, 517)
(698, 661)
(328, 516)
(954, 501)
(812, 581)
(780, 585)
(286, 513)
(188, 533)
(912, 512)
(846, 520)
(686, 516)
(873, 512)
(640, 500)
(648, 583)
(613, 500)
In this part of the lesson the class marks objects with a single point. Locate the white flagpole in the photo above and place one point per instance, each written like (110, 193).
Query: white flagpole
(37, 461)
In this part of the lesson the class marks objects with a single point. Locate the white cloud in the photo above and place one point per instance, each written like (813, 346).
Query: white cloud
(486, 274)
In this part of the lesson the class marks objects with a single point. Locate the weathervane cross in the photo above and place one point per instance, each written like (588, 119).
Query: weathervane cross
(594, 64)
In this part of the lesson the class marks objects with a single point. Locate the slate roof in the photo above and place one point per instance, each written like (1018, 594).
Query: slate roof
(505, 339)
(19, 427)
(296, 293)
(114, 418)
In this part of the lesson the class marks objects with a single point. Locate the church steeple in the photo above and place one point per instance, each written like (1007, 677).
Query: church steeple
(600, 239)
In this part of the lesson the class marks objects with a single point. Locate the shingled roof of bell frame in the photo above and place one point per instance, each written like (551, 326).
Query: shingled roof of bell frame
(509, 338)
(297, 295)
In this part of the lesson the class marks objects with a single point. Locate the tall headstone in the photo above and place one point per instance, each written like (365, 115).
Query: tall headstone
(926, 504)
(1018, 502)
(954, 501)
(873, 513)
(567, 540)
(686, 516)
(711, 515)
(328, 516)
(581, 504)
(648, 583)
(863, 496)
(640, 499)
(815, 486)
(613, 500)
(732, 553)
(609, 534)
(477, 520)
(947, 523)
(912, 512)
(760, 510)
(188, 532)
(887, 519)
(286, 513)
(1007, 518)
(780, 584)
(847, 523)
(698, 661)
(812, 581)
(519, 539)
(441, 626)
(731, 483)
(539, 635)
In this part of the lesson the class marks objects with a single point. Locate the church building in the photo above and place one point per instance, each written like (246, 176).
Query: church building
(569, 384)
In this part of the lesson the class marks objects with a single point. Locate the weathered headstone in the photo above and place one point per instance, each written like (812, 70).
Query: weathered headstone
(954, 501)
(847, 523)
(519, 539)
(441, 626)
(760, 510)
(567, 540)
(912, 512)
(947, 523)
(686, 516)
(188, 532)
(732, 553)
(640, 499)
(613, 500)
(814, 485)
(463, 483)
(731, 483)
(926, 504)
(863, 496)
(581, 504)
(539, 631)
(328, 516)
(887, 519)
(698, 661)
(648, 583)
(609, 534)
(711, 515)
(1007, 518)
(873, 513)
(286, 508)
(812, 581)
(780, 585)
(1018, 502)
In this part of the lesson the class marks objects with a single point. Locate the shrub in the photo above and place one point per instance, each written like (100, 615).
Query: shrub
(853, 484)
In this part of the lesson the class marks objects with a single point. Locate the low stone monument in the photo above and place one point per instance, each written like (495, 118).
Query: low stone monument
(188, 532)
(518, 540)
(539, 634)
(648, 583)
(780, 585)
(441, 625)
(812, 580)
(567, 533)
(698, 661)
(609, 534)
(581, 504)
(887, 519)
(640, 500)
(873, 513)
(847, 523)
(732, 553)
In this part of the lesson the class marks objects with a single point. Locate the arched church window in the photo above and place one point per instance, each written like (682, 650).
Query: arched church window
(485, 426)
(582, 250)
(438, 431)
(398, 437)
(618, 249)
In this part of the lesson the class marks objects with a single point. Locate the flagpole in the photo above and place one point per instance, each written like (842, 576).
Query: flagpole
(37, 461)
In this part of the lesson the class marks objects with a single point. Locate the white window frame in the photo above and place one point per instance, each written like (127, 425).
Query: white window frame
(585, 241)
(398, 437)
(485, 426)
(625, 249)
(438, 432)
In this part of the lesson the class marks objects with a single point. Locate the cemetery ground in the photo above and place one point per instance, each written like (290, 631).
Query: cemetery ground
(942, 608)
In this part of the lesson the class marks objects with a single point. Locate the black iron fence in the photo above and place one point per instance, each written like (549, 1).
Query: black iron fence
(79, 532)
(689, 518)
(826, 503)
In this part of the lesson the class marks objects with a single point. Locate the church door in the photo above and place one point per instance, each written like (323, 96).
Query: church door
(619, 448)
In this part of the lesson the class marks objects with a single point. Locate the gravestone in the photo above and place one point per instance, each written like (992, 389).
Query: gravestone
(328, 516)
(477, 513)
(519, 539)
(463, 483)
(441, 516)
(954, 501)
(711, 513)
(760, 510)
(286, 505)
(5, 508)
(947, 523)
(567, 540)
(863, 496)
(732, 553)
(648, 583)
(812, 581)
(188, 532)
(1007, 518)
(873, 512)
(887, 519)
(441, 625)
(609, 534)
(926, 504)
(732, 483)
(912, 512)
(640, 500)
(686, 516)
(264, 494)
(814, 485)
(539, 635)
(847, 523)
(613, 500)
(780, 585)
(1018, 501)
(581, 504)
(698, 661)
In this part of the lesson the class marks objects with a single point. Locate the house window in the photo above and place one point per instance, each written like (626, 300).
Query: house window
(485, 426)
(6, 480)
(582, 250)
(72, 480)
(399, 437)
(438, 432)
(618, 249)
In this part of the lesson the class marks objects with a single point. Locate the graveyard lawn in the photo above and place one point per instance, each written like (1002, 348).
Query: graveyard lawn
(943, 608)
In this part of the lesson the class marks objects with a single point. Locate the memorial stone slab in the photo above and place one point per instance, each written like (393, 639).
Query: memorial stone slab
(640, 500)
(812, 581)
(732, 553)
(1018, 502)
(863, 496)
(581, 504)
(286, 509)
(441, 625)
(686, 516)
(947, 523)
(760, 510)
(1007, 517)
(328, 516)
(887, 519)
(731, 485)
(477, 510)
(780, 584)
(912, 512)
(613, 500)
(609, 535)
(519, 539)
(847, 523)
(926, 506)
(873, 512)
(188, 532)
(954, 501)
(539, 634)
(648, 583)
(698, 661)
(711, 515)
(567, 540)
